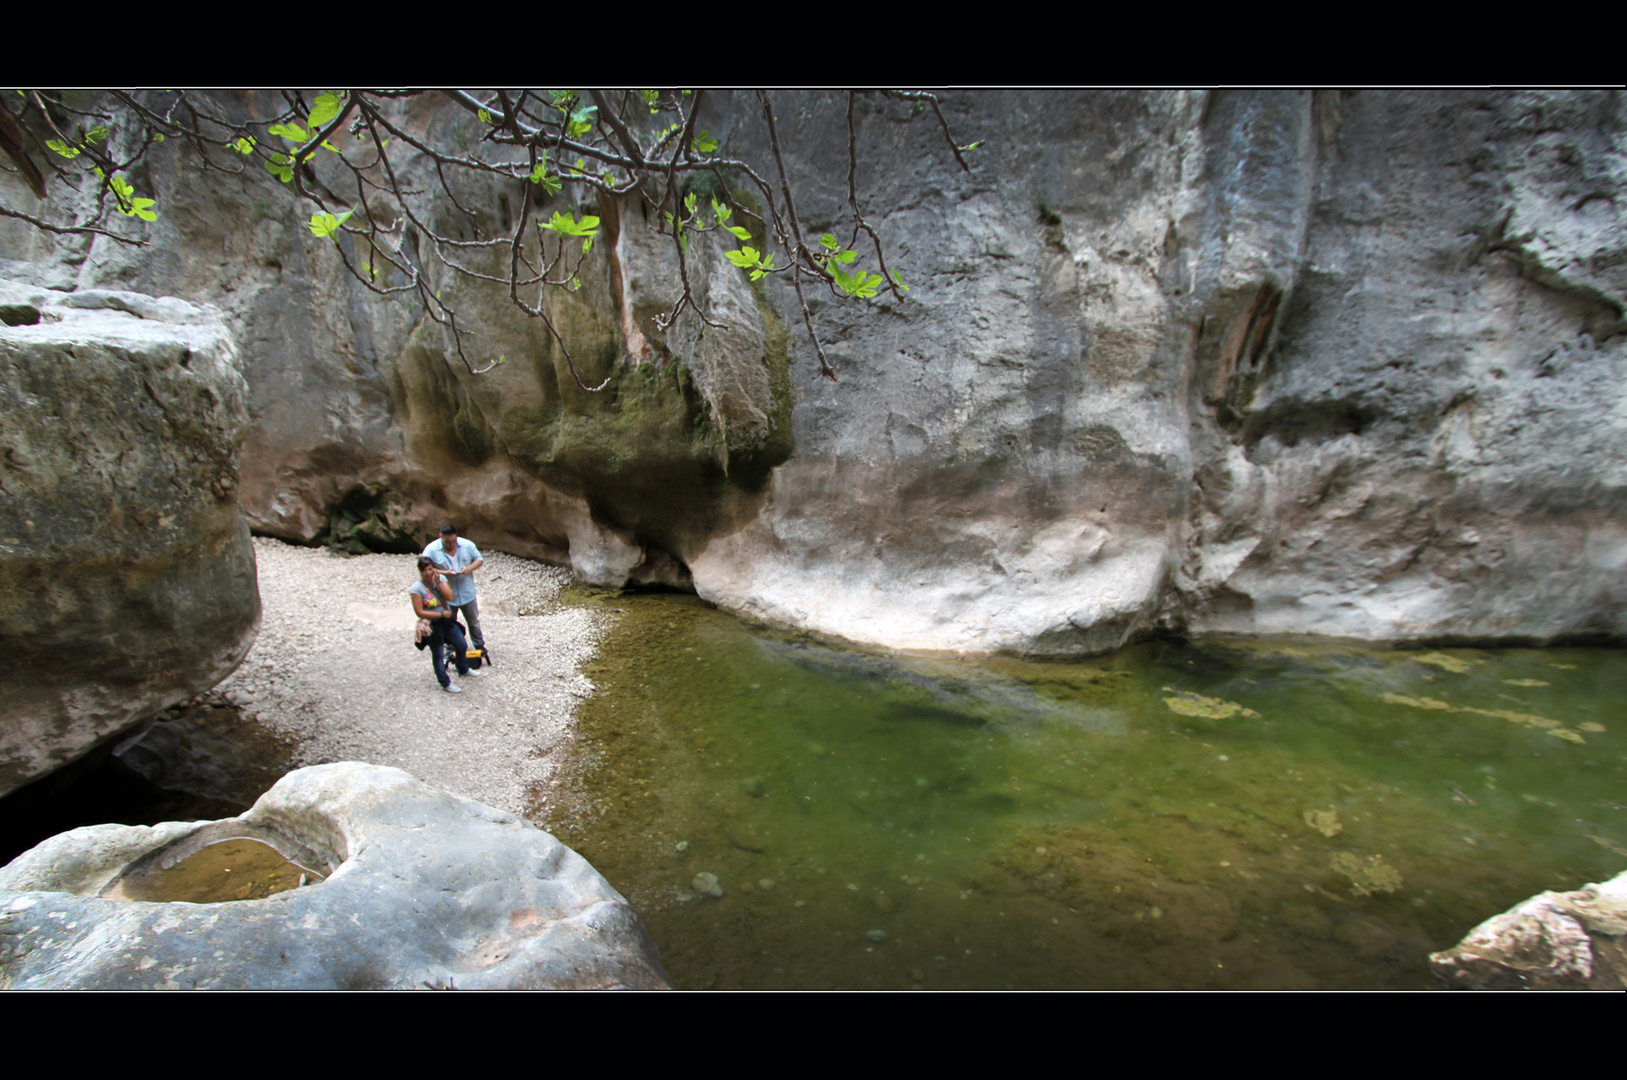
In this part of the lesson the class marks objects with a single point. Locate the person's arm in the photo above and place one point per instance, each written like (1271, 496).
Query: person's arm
(446, 594)
(474, 565)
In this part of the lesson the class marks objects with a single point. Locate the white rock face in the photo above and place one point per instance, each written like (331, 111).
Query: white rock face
(1242, 361)
(426, 888)
(1257, 363)
(1554, 941)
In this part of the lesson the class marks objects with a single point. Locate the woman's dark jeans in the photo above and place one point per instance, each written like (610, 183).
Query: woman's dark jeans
(444, 632)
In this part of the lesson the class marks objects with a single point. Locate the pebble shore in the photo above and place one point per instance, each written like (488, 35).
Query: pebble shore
(335, 672)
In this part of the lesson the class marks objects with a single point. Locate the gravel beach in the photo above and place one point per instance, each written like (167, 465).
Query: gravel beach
(334, 671)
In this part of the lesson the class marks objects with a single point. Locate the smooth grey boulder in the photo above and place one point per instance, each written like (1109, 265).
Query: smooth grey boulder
(126, 574)
(1553, 941)
(426, 888)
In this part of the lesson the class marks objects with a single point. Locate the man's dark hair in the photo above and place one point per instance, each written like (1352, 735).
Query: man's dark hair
(448, 528)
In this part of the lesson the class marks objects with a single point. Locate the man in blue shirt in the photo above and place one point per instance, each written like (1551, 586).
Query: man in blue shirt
(458, 560)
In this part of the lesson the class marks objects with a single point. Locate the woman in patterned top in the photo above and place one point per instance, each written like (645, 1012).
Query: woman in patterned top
(432, 602)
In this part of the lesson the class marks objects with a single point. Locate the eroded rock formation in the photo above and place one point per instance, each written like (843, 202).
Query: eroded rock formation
(1281, 362)
(368, 431)
(422, 888)
(1340, 363)
(1553, 941)
(126, 574)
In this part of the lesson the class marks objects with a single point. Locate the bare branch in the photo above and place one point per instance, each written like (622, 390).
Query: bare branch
(498, 115)
(608, 115)
(6, 211)
(796, 231)
(853, 201)
(954, 147)
(686, 298)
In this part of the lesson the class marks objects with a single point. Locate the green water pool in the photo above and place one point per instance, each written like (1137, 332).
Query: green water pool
(1249, 813)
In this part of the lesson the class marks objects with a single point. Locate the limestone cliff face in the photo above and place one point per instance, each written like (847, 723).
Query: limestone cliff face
(1254, 361)
(1285, 362)
(126, 574)
(367, 429)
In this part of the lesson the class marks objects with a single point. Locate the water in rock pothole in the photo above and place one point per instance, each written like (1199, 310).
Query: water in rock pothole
(1230, 813)
(238, 868)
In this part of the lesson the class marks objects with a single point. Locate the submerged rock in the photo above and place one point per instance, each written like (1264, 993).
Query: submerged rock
(1190, 704)
(1368, 874)
(1553, 941)
(421, 888)
(1325, 822)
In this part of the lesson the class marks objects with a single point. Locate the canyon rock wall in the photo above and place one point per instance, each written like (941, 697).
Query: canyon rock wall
(1283, 362)
(1259, 362)
(126, 574)
(367, 427)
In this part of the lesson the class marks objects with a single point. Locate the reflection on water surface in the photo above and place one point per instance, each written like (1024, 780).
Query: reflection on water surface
(1238, 813)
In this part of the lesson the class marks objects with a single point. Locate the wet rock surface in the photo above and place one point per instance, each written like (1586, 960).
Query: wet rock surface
(1553, 941)
(125, 563)
(422, 888)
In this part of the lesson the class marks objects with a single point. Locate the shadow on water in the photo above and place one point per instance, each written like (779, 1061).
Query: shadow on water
(1234, 813)
(931, 714)
(918, 689)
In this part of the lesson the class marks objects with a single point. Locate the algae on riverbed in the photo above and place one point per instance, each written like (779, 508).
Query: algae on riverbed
(1189, 704)
(1005, 823)
(1550, 726)
(1368, 874)
(1325, 822)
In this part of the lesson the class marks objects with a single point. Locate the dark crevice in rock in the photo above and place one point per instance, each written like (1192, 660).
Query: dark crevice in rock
(201, 760)
(1291, 421)
(19, 314)
(660, 571)
(361, 523)
(1241, 365)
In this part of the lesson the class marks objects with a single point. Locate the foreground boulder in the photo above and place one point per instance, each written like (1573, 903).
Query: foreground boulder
(1553, 941)
(423, 888)
(126, 573)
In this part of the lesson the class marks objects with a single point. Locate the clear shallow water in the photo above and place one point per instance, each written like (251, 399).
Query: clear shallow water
(1237, 813)
(239, 868)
